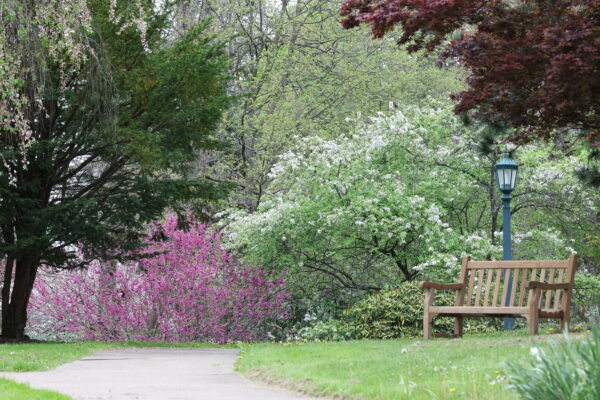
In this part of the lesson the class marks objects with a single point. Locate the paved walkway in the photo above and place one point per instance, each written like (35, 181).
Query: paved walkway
(153, 374)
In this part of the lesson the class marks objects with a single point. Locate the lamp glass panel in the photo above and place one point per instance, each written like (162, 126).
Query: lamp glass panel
(514, 178)
(500, 175)
(507, 177)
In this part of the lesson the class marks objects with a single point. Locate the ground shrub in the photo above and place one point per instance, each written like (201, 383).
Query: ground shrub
(568, 370)
(586, 299)
(398, 312)
(189, 290)
(332, 330)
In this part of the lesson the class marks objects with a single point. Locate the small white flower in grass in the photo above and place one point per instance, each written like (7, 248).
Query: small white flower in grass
(404, 350)
(536, 352)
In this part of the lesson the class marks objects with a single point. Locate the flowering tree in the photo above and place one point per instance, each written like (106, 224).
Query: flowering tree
(100, 115)
(351, 214)
(188, 289)
(402, 197)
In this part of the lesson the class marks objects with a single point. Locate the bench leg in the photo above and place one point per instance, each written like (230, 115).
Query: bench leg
(458, 326)
(532, 316)
(427, 317)
(427, 327)
(564, 322)
(533, 321)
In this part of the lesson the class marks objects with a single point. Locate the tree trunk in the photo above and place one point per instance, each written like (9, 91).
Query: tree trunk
(8, 272)
(15, 317)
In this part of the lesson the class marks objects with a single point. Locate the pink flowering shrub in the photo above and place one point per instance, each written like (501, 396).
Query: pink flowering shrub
(191, 291)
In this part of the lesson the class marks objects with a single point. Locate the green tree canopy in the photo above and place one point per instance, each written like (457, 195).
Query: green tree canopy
(102, 113)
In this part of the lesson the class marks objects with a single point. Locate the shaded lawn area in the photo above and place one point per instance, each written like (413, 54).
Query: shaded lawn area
(470, 368)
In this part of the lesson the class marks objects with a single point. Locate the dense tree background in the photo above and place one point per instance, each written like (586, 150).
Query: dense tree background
(317, 151)
(102, 114)
(533, 66)
(297, 74)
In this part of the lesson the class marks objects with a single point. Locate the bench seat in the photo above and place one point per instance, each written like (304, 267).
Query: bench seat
(519, 289)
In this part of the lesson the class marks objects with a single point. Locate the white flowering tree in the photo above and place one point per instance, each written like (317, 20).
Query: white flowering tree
(353, 213)
(404, 197)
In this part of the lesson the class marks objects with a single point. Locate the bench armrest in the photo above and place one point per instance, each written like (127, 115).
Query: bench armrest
(441, 286)
(546, 286)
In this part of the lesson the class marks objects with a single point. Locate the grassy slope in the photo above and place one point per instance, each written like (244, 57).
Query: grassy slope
(470, 368)
(44, 356)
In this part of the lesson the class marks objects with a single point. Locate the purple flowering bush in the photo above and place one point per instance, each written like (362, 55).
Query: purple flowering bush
(190, 291)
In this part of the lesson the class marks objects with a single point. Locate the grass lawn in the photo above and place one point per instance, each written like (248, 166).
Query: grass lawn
(17, 391)
(470, 368)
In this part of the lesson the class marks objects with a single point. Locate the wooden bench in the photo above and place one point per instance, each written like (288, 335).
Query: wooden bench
(540, 289)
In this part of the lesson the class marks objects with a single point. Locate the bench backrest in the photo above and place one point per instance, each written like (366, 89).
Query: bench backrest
(486, 282)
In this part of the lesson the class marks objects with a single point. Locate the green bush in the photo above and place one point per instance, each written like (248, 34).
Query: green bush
(567, 370)
(586, 299)
(398, 312)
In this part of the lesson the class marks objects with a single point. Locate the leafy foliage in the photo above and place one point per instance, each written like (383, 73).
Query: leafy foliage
(297, 74)
(111, 112)
(394, 313)
(187, 290)
(398, 312)
(349, 214)
(567, 370)
(402, 197)
(533, 65)
(586, 298)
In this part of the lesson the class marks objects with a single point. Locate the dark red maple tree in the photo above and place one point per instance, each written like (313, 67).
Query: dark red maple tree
(533, 65)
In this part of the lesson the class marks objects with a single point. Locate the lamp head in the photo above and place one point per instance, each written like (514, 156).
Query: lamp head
(506, 173)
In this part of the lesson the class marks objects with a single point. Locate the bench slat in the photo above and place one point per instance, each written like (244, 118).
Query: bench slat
(517, 264)
(558, 292)
(550, 293)
(497, 287)
(513, 291)
(505, 288)
(478, 310)
(488, 286)
(542, 279)
(470, 292)
(522, 287)
(555, 264)
(479, 287)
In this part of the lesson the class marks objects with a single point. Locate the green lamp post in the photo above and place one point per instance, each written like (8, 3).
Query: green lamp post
(506, 172)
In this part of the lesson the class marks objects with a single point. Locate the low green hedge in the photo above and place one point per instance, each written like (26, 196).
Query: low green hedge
(398, 312)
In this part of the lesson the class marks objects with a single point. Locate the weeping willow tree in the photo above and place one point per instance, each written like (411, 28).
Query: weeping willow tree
(102, 112)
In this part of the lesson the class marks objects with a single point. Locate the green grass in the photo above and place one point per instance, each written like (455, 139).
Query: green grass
(23, 357)
(10, 390)
(470, 368)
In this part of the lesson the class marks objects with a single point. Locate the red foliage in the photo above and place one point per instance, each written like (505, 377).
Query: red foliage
(533, 65)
